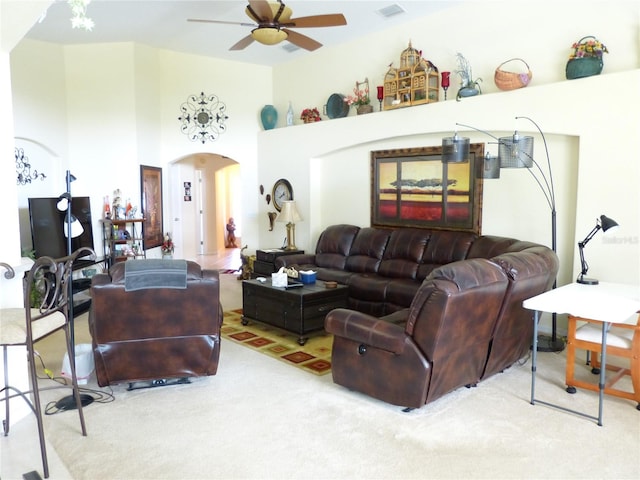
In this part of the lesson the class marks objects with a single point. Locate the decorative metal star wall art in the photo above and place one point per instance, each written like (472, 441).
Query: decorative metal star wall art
(203, 117)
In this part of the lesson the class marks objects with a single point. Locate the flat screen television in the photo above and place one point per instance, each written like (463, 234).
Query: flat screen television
(47, 228)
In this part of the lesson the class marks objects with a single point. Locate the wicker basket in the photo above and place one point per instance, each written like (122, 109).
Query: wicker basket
(511, 81)
(580, 67)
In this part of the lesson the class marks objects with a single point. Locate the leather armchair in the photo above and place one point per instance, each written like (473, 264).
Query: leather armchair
(155, 333)
(442, 346)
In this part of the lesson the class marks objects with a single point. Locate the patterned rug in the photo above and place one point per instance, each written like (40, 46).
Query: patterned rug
(314, 356)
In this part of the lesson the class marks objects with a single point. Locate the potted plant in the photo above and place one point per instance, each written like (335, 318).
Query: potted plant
(360, 98)
(468, 86)
(310, 115)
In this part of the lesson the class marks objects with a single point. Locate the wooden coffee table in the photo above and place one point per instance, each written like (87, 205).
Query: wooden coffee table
(299, 310)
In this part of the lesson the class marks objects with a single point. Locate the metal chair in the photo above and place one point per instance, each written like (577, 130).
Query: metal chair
(47, 285)
(623, 340)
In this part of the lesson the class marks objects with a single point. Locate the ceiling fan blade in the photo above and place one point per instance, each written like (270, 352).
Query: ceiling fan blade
(329, 20)
(260, 11)
(198, 20)
(302, 41)
(242, 44)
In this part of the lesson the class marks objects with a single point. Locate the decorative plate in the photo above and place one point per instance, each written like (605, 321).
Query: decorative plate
(336, 106)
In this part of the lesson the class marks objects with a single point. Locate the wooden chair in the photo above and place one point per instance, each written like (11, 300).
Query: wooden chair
(623, 340)
(49, 280)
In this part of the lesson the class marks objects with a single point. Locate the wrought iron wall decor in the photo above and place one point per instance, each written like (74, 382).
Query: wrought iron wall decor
(23, 168)
(203, 117)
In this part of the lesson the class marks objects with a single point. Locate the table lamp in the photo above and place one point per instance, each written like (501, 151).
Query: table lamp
(603, 223)
(289, 215)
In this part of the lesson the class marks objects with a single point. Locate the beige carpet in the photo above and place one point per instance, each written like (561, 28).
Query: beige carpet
(261, 419)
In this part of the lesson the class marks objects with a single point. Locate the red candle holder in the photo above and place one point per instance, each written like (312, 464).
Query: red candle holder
(380, 96)
(446, 81)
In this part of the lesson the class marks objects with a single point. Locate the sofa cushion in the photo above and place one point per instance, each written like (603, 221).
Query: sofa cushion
(334, 245)
(367, 250)
(367, 292)
(403, 253)
(444, 247)
(400, 293)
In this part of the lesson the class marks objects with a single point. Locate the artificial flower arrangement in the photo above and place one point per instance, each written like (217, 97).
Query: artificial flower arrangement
(360, 96)
(310, 115)
(167, 246)
(588, 47)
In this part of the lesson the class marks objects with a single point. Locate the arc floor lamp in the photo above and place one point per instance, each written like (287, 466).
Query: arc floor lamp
(516, 151)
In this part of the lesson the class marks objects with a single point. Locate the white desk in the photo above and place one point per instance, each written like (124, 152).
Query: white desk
(606, 302)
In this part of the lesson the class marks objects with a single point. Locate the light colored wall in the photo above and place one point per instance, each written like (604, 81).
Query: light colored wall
(486, 32)
(107, 109)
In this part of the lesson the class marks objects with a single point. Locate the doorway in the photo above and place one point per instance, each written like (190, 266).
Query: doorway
(204, 194)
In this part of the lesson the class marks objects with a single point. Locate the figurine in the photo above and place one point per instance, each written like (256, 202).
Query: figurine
(231, 234)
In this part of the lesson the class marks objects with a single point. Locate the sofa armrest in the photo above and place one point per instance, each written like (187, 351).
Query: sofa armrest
(100, 279)
(213, 275)
(362, 328)
(297, 259)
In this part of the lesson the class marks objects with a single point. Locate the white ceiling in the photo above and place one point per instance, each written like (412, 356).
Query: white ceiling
(163, 24)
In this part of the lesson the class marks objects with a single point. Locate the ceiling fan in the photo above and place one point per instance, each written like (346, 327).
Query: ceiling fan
(274, 24)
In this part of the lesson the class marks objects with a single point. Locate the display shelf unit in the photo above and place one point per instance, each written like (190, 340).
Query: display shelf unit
(122, 239)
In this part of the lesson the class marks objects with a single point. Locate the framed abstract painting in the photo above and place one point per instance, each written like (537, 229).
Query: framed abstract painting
(413, 188)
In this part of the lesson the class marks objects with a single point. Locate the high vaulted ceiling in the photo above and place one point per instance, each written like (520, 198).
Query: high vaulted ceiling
(163, 24)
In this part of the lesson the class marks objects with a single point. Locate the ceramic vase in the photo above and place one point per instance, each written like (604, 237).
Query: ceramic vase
(269, 117)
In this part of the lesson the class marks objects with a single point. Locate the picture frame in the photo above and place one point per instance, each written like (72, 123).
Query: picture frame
(151, 201)
(407, 189)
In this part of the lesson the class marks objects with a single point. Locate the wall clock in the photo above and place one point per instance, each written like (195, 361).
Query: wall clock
(282, 191)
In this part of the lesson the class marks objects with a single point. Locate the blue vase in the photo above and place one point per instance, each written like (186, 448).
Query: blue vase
(269, 117)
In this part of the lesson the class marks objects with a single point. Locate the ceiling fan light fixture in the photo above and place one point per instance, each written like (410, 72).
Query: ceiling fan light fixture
(268, 35)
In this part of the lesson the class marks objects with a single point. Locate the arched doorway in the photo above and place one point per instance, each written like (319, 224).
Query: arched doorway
(203, 194)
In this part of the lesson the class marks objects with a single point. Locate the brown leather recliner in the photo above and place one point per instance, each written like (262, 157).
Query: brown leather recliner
(155, 333)
(442, 346)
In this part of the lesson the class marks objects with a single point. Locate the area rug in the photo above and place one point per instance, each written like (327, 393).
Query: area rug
(314, 356)
(227, 271)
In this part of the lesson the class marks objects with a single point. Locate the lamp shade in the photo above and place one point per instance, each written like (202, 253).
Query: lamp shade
(491, 166)
(289, 213)
(515, 151)
(63, 202)
(455, 149)
(75, 226)
(607, 223)
(269, 35)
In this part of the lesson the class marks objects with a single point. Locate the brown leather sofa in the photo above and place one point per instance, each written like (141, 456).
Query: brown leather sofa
(155, 334)
(430, 310)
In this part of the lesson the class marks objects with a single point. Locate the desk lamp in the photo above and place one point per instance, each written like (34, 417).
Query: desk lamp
(604, 223)
(289, 215)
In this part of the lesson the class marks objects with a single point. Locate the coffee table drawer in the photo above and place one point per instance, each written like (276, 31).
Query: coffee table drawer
(321, 309)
